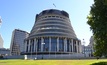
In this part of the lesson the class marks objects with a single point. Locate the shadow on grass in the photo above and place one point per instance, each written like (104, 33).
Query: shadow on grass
(100, 63)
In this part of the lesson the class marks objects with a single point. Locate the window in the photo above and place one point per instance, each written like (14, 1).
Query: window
(53, 44)
(61, 44)
(39, 44)
(53, 16)
(46, 46)
(68, 45)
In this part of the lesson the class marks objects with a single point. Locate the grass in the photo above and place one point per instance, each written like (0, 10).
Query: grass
(54, 62)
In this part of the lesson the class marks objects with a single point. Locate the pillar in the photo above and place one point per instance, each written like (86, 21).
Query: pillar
(29, 46)
(77, 46)
(42, 41)
(72, 46)
(80, 50)
(65, 45)
(49, 44)
(34, 45)
(70, 43)
(25, 45)
(57, 44)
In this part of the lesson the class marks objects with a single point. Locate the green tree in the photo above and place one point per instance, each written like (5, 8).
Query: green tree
(97, 19)
(106, 2)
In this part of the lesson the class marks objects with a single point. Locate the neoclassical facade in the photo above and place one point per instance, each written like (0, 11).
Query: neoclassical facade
(52, 33)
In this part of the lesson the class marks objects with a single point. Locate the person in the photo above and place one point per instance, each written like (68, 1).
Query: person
(97, 57)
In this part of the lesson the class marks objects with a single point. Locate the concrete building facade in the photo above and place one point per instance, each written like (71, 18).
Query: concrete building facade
(17, 41)
(52, 33)
(1, 42)
(4, 52)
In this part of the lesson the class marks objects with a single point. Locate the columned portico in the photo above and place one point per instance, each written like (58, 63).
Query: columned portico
(69, 44)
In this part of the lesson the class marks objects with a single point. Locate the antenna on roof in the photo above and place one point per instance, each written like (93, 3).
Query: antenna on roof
(54, 5)
(0, 20)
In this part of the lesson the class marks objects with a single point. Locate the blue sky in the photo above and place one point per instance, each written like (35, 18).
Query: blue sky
(20, 14)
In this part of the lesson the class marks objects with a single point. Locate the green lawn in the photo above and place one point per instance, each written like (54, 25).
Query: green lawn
(54, 62)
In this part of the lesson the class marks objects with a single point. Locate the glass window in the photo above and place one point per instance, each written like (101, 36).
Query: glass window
(68, 45)
(39, 45)
(53, 16)
(32, 45)
(27, 46)
(45, 16)
(49, 16)
(54, 30)
(53, 44)
(52, 22)
(57, 16)
(61, 44)
(53, 19)
(46, 46)
(74, 42)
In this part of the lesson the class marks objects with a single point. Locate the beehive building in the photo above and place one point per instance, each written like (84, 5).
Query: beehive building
(52, 33)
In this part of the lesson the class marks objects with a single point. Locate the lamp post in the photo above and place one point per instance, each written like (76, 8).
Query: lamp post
(43, 49)
(84, 47)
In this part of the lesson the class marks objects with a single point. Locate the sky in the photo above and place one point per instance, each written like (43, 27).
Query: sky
(20, 14)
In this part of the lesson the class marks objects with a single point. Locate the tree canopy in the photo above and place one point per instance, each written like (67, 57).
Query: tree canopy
(97, 19)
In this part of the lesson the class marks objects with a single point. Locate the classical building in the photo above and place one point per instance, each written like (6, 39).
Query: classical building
(89, 49)
(92, 43)
(17, 41)
(52, 33)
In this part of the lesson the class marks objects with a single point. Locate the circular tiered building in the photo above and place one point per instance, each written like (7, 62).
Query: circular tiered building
(52, 33)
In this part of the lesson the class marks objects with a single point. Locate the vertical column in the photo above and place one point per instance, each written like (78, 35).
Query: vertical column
(65, 45)
(25, 45)
(72, 46)
(80, 47)
(57, 44)
(49, 44)
(34, 45)
(77, 46)
(29, 46)
(42, 41)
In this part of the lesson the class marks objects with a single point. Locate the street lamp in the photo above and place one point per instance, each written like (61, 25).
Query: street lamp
(43, 49)
(84, 47)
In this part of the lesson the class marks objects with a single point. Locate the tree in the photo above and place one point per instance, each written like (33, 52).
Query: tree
(106, 2)
(97, 19)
